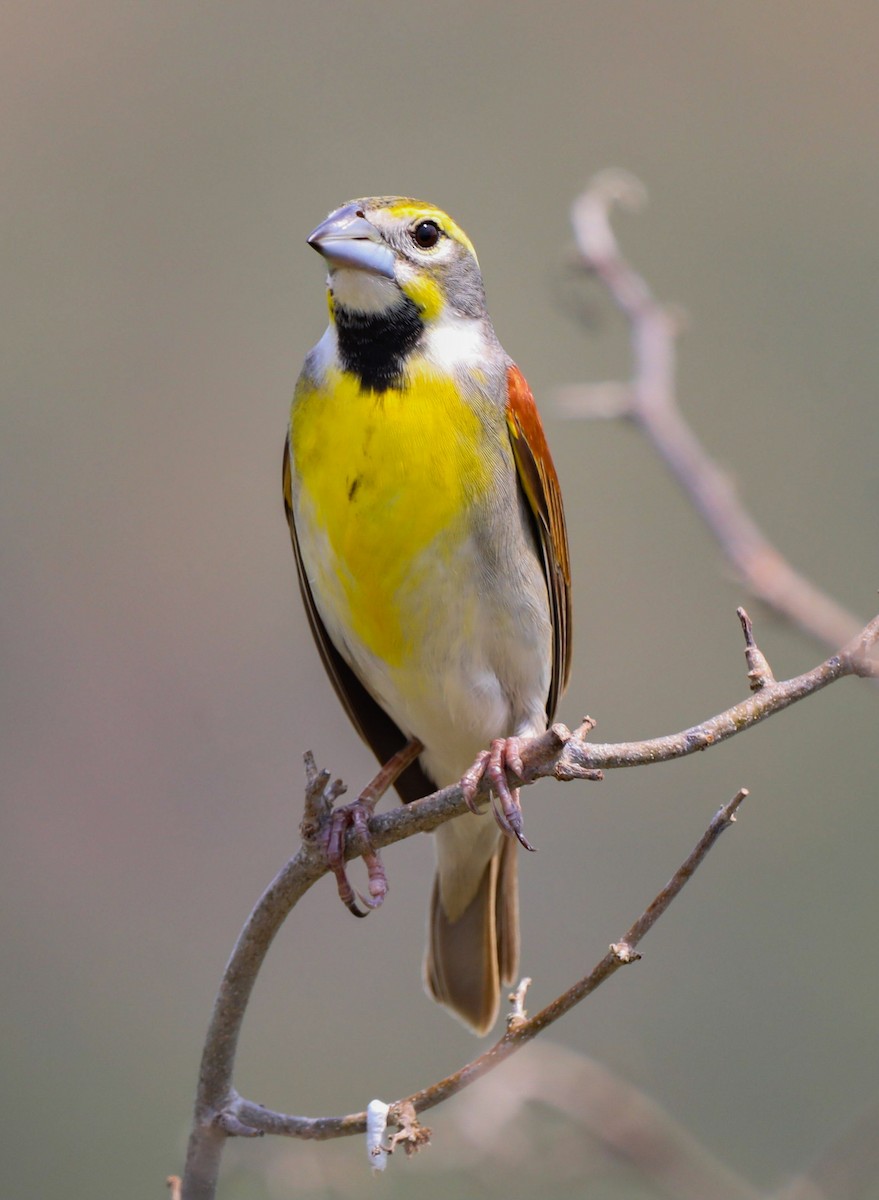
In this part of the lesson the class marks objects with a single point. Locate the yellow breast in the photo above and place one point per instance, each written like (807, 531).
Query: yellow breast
(384, 477)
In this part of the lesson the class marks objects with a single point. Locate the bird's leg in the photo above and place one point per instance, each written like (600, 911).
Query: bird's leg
(492, 765)
(356, 816)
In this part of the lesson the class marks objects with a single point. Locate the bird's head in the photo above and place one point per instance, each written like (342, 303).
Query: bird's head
(390, 252)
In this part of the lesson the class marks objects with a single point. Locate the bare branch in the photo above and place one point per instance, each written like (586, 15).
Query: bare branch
(651, 403)
(561, 754)
(220, 1112)
(519, 1031)
(557, 753)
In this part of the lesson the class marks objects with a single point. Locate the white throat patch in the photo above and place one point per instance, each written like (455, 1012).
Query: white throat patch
(363, 291)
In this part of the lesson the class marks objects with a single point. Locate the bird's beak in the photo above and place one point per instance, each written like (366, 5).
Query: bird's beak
(347, 239)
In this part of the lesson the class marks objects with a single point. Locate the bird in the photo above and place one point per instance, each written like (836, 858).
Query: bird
(432, 555)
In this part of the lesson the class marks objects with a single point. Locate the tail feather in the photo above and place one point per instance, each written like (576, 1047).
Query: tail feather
(507, 912)
(470, 958)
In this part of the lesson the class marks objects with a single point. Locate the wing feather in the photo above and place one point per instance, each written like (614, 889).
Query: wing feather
(540, 485)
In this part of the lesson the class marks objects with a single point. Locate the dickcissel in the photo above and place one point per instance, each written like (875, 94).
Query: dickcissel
(432, 554)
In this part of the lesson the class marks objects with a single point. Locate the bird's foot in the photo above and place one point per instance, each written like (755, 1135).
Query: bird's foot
(492, 765)
(356, 816)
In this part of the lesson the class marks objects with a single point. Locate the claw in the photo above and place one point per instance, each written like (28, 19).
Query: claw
(492, 764)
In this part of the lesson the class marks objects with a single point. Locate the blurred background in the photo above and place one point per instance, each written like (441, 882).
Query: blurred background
(162, 166)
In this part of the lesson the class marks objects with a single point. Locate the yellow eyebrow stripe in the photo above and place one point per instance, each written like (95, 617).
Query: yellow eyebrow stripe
(407, 211)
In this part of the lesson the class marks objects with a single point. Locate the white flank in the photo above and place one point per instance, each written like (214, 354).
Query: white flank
(325, 354)
(454, 341)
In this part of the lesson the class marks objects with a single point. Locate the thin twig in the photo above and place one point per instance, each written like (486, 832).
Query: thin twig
(759, 670)
(650, 402)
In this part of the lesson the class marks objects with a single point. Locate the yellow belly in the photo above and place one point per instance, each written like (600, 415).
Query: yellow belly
(383, 478)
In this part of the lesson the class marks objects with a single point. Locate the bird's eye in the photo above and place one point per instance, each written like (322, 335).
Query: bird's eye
(426, 234)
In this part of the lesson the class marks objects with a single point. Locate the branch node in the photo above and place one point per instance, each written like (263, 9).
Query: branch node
(334, 790)
(561, 734)
(856, 656)
(727, 814)
(624, 953)
(568, 771)
(759, 671)
(320, 796)
(567, 767)
(232, 1126)
(518, 1016)
(411, 1134)
(585, 727)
